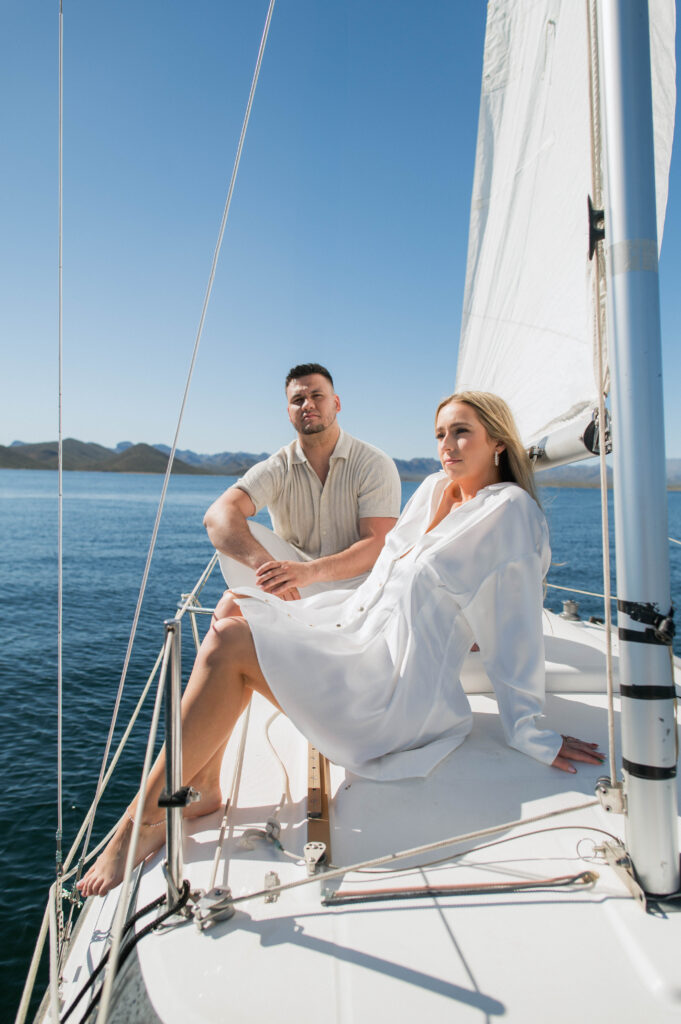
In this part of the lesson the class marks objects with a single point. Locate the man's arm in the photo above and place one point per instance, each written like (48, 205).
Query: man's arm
(227, 528)
(277, 576)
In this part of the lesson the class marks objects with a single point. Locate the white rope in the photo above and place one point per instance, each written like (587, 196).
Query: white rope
(75, 871)
(188, 599)
(110, 771)
(34, 965)
(414, 852)
(599, 287)
(575, 590)
(674, 541)
(229, 803)
(171, 456)
(124, 896)
(287, 781)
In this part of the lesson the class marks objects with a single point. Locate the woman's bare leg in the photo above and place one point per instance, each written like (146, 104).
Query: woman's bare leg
(207, 781)
(225, 674)
(226, 607)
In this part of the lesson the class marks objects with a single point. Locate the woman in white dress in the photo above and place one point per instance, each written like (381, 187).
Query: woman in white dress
(371, 676)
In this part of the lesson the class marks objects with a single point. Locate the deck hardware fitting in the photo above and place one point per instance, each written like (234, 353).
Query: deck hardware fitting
(272, 828)
(596, 227)
(620, 861)
(180, 798)
(611, 796)
(570, 611)
(184, 910)
(212, 907)
(662, 626)
(272, 881)
(315, 855)
(269, 834)
(73, 896)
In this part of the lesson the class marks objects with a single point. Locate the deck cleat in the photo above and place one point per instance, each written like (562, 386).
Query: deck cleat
(212, 907)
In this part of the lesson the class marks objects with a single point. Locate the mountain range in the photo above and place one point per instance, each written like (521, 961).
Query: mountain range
(127, 457)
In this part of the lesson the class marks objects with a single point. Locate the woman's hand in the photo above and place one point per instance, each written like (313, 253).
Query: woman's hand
(577, 750)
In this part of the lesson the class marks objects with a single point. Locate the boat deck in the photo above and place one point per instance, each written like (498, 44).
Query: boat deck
(580, 952)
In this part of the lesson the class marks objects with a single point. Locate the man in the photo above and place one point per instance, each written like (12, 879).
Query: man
(332, 499)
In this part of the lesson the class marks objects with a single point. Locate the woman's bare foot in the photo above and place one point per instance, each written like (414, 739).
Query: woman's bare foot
(108, 870)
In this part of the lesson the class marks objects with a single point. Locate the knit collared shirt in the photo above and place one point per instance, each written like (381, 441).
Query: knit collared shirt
(318, 520)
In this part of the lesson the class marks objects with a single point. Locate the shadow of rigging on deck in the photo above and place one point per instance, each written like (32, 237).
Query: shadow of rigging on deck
(285, 929)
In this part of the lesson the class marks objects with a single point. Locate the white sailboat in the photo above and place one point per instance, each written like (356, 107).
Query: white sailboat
(495, 887)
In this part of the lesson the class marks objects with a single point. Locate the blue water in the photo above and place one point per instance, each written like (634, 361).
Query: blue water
(108, 519)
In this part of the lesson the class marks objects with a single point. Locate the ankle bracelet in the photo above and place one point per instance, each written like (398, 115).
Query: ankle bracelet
(152, 824)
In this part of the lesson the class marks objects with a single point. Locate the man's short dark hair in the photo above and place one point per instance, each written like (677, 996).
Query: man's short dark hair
(305, 369)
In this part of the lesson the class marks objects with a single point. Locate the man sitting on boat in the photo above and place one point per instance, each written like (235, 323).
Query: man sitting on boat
(332, 500)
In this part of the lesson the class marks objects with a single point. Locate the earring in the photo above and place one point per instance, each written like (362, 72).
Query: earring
(496, 458)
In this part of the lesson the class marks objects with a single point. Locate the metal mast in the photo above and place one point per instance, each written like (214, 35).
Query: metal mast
(643, 586)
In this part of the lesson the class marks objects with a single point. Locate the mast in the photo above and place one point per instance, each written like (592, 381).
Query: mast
(640, 495)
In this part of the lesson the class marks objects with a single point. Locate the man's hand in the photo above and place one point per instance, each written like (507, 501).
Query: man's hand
(283, 579)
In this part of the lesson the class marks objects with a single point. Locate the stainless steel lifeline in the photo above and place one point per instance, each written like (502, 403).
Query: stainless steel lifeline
(173, 694)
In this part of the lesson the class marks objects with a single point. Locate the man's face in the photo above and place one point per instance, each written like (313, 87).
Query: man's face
(312, 404)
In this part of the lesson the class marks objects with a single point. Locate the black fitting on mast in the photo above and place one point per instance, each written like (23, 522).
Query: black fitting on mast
(663, 627)
(596, 227)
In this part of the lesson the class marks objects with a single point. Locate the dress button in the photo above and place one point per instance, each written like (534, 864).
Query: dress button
(338, 625)
(362, 608)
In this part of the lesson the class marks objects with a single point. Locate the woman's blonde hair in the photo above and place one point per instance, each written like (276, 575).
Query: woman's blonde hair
(497, 419)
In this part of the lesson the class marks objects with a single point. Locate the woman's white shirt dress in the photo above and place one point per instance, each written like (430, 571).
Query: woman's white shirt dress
(371, 676)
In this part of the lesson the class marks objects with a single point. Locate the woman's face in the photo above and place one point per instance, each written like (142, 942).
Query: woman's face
(465, 448)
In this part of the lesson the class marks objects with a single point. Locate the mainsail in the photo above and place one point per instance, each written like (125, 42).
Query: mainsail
(528, 325)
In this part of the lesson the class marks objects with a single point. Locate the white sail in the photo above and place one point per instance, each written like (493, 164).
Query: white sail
(527, 326)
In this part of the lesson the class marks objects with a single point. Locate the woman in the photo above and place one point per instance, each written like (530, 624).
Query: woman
(371, 676)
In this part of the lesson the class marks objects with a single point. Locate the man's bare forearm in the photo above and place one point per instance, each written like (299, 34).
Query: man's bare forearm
(228, 532)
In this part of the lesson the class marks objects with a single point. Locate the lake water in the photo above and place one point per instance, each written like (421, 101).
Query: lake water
(108, 519)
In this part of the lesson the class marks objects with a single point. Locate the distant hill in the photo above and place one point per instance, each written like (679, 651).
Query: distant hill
(138, 458)
(224, 463)
(127, 457)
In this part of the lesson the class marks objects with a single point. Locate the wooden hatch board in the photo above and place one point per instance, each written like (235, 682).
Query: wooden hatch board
(318, 788)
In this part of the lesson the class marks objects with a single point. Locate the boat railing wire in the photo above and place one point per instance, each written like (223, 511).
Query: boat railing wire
(171, 457)
(58, 891)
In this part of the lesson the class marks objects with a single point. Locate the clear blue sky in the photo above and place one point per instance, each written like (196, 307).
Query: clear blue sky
(346, 242)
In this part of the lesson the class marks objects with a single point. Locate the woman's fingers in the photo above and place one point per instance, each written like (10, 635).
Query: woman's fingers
(573, 749)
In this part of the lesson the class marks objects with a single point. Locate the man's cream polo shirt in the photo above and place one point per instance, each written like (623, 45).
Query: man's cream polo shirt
(362, 482)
